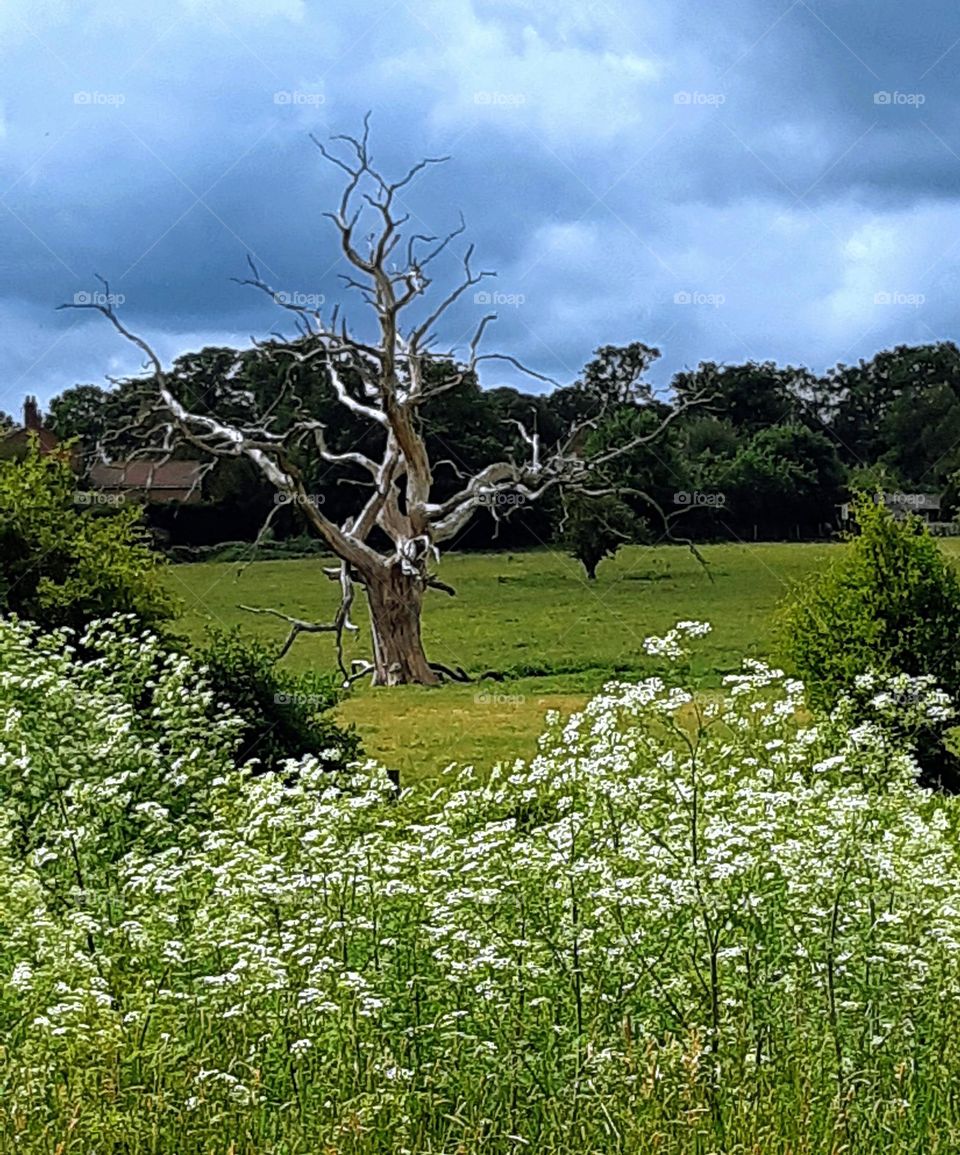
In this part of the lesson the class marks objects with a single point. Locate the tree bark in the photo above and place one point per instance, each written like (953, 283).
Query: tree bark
(396, 600)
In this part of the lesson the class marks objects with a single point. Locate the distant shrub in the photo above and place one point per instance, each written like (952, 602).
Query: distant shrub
(595, 527)
(890, 604)
(285, 715)
(60, 566)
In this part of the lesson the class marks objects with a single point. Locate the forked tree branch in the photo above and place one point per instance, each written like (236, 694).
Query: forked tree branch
(383, 381)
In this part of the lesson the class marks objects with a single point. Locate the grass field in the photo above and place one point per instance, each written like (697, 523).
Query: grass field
(530, 614)
(689, 926)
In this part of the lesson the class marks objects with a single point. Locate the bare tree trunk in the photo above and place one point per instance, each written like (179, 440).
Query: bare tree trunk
(386, 384)
(396, 601)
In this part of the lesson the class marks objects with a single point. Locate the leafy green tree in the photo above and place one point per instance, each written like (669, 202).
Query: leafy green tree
(869, 405)
(596, 527)
(922, 431)
(612, 380)
(647, 475)
(616, 373)
(752, 396)
(783, 476)
(80, 412)
(708, 438)
(64, 566)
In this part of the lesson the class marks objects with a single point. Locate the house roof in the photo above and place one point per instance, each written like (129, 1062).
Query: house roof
(46, 438)
(20, 435)
(147, 475)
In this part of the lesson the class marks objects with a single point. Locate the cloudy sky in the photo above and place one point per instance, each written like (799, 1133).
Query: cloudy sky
(725, 179)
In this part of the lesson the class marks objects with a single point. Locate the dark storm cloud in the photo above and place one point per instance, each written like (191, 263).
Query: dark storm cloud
(727, 180)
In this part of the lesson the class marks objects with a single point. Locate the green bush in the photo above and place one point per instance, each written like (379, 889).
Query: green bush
(889, 604)
(595, 527)
(60, 566)
(285, 715)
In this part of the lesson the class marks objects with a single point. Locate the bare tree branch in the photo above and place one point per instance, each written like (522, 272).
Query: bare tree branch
(383, 381)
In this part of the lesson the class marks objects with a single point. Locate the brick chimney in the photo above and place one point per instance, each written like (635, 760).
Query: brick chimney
(31, 415)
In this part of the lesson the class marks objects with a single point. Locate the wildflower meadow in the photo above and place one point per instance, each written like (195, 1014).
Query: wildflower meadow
(697, 920)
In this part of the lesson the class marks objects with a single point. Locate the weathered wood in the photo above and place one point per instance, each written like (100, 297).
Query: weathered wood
(385, 382)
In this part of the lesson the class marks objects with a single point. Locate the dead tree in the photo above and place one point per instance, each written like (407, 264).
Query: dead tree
(384, 381)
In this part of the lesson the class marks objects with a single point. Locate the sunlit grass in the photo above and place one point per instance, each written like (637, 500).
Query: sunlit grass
(514, 613)
(517, 612)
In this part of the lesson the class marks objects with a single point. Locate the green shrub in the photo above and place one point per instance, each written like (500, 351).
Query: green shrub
(60, 566)
(890, 604)
(285, 715)
(595, 527)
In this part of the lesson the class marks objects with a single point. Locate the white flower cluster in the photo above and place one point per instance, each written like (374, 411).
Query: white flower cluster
(675, 883)
(671, 645)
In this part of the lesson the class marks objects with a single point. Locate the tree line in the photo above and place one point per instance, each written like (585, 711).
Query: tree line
(770, 453)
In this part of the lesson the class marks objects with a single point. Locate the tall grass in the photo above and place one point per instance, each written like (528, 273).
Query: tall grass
(686, 925)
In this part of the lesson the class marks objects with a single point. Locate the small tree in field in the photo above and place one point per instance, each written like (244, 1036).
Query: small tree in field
(596, 527)
(385, 380)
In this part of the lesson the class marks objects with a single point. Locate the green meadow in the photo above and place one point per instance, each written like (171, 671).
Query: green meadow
(532, 616)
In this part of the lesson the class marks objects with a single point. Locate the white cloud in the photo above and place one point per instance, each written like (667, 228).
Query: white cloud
(534, 73)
